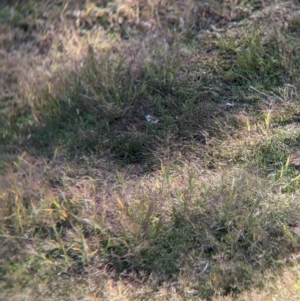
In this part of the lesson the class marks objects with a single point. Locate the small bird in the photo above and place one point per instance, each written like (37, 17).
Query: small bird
(151, 119)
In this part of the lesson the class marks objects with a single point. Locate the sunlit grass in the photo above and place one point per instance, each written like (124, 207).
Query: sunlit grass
(202, 204)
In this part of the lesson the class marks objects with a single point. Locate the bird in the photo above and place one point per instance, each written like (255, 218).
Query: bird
(151, 119)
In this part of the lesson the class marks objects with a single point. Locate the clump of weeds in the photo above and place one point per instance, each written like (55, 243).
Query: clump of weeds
(97, 203)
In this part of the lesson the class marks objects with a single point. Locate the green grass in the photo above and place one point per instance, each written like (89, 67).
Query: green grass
(202, 205)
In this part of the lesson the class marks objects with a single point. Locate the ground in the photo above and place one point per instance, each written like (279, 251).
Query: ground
(99, 204)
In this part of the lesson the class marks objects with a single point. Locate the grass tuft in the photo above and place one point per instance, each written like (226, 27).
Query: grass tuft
(200, 205)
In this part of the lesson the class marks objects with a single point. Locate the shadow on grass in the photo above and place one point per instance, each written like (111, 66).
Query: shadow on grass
(100, 108)
(224, 236)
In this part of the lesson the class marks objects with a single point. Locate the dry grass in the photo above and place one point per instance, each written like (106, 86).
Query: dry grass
(98, 204)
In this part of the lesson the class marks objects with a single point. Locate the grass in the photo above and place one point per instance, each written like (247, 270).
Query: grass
(200, 206)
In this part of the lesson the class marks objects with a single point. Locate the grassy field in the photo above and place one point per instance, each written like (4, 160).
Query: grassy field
(96, 203)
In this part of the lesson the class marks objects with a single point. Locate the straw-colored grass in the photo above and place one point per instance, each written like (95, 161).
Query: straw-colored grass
(98, 204)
